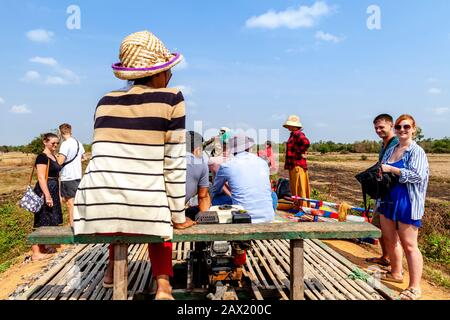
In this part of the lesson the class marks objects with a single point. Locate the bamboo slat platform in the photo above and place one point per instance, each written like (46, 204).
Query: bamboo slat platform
(328, 276)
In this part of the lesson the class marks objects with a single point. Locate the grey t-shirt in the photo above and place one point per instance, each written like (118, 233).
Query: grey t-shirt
(197, 175)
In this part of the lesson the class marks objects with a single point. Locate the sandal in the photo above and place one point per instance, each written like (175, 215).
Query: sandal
(107, 285)
(410, 294)
(381, 261)
(389, 277)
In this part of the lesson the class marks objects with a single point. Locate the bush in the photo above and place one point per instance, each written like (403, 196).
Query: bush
(87, 148)
(15, 225)
(316, 195)
(363, 157)
(436, 247)
(5, 266)
(436, 146)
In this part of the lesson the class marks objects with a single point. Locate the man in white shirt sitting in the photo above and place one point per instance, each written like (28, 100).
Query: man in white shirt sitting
(248, 178)
(71, 154)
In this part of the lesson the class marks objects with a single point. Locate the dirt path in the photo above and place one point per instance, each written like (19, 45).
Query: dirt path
(357, 254)
(19, 274)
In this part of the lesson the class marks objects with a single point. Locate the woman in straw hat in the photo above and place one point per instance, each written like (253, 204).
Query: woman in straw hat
(135, 181)
(296, 149)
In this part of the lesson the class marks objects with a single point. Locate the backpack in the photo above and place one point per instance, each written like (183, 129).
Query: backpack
(375, 183)
(283, 188)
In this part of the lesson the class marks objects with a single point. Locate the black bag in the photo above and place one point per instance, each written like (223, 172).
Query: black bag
(283, 188)
(375, 183)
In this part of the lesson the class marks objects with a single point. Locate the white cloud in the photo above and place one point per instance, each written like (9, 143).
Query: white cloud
(53, 80)
(434, 91)
(279, 116)
(292, 18)
(69, 76)
(440, 111)
(186, 90)
(20, 109)
(62, 76)
(31, 76)
(40, 35)
(324, 36)
(182, 65)
(45, 61)
(2, 101)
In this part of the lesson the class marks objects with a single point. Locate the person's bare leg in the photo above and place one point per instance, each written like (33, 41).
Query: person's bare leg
(108, 278)
(384, 254)
(384, 258)
(164, 289)
(69, 204)
(393, 247)
(38, 253)
(49, 249)
(408, 237)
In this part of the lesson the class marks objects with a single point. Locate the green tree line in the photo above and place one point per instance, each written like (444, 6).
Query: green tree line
(34, 147)
(367, 146)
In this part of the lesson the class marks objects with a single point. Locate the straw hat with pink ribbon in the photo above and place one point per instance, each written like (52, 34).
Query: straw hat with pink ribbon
(142, 55)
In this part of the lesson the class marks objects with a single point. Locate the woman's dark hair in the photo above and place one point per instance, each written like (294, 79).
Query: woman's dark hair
(49, 136)
(269, 143)
(141, 81)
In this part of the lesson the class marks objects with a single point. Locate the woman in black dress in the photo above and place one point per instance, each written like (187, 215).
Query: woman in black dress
(48, 185)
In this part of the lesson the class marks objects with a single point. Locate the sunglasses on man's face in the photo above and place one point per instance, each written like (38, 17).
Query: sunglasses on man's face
(399, 127)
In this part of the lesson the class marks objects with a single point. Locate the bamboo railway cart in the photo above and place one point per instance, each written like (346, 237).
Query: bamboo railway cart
(295, 232)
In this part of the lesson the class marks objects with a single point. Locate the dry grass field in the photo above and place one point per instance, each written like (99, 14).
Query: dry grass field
(338, 172)
(15, 169)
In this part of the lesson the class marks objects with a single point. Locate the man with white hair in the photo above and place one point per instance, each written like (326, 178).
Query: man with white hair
(248, 178)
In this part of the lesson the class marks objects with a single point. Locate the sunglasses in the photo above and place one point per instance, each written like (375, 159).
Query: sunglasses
(399, 127)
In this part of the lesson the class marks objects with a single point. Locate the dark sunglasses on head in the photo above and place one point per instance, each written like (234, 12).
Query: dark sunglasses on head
(405, 127)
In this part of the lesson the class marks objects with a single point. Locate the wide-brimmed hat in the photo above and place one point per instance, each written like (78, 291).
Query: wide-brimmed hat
(293, 121)
(240, 143)
(142, 55)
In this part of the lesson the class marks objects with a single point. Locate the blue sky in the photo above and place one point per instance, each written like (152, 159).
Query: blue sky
(249, 63)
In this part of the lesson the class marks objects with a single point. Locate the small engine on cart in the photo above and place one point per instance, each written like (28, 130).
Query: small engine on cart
(219, 261)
